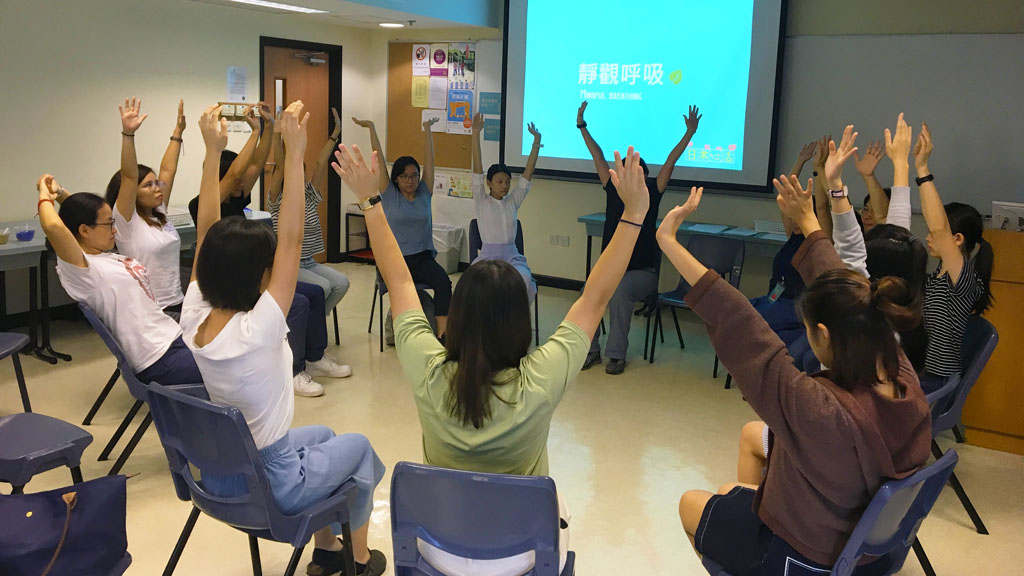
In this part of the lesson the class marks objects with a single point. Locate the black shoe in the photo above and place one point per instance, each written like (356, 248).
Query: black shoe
(615, 367)
(328, 562)
(593, 358)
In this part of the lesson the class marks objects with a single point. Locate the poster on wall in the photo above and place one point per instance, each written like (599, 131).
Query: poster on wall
(462, 66)
(236, 83)
(460, 185)
(438, 92)
(492, 129)
(438, 59)
(440, 184)
(439, 115)
(460, 112)
(490, 103)
(420, 91)
(421, 59)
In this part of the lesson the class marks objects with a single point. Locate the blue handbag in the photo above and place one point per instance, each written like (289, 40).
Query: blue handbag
(79, 529)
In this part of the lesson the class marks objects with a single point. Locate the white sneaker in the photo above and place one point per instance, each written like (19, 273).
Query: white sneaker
(327, 366)
(304, 385)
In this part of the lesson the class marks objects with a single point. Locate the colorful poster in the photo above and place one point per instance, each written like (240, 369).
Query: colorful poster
(441, 184)
(462, 66)
(438, 59)
(460, 111)
(438, 92)
(421, 59)
(460, 185)
(420, 91)
(438, 126)
(490, 103)
(492, 129)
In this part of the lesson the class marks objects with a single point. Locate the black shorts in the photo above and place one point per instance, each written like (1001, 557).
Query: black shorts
(732, 535)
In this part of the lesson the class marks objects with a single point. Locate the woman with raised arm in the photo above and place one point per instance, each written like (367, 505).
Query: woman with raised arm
(497, 207)
(406, 198)
(641, 279)
(485, 402)
(836, 436)
(234, 321)
(959, 287)
(139, 198)
(115, 286)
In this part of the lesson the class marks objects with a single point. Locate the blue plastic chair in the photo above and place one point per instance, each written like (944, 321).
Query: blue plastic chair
(216, 440)
(476, 243)
(33, 443)
(10, 344)
(473, 515)
(379, 290)
(980, 340)
(890, 522)
(723, 255)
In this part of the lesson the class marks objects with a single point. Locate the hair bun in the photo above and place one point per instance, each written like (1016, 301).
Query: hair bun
(892, 297)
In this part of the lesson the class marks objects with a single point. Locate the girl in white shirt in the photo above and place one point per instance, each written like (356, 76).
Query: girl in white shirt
(116, 287)
(234, 321)
(140, 198)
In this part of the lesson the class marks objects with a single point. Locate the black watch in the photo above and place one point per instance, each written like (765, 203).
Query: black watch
(581, 126)
(370, 202)
(923, 179)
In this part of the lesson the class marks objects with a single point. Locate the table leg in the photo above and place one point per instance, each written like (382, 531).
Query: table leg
(33, 318)
(3, 295)
(44, 285)
(589, 254)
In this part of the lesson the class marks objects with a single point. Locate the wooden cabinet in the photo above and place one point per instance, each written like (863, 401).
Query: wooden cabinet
(994, 412)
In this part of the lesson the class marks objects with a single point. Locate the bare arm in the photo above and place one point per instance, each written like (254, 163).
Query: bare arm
(323, 158)
(62, 239)
(478, 121)
(232, 180)
(821, 207)
(215, 137)
(169, 163)
(428, 154)
(806, 153)
(866, 167)
(131, 119)
(607, 273)
(258, 162)
(277, 176)
(382, 172)
(531, 161)
(942, 239)
(595, 151)
(291, 218)
(665, 174)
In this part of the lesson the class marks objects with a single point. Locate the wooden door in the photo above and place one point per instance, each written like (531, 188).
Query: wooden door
(286, 72)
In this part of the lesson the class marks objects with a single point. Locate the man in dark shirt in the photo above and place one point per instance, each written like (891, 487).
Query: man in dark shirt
(641, 278)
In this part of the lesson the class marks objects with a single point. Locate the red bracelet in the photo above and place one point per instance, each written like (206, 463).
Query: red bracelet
(40, 203)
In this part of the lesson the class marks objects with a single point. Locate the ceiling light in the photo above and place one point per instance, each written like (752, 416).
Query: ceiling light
(391, 25)
(279, 6)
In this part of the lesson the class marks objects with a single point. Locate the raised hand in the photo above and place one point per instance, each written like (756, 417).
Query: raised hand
(579, 113)
(795, 202)
(293, 129)
(429, 123)
(478, 123)
(362, 123)
(214, 129)
(674, 219)
(48, 188)
(872, 155)
(179, 126)
(897, 146)
(822, 155)
(807, 152)
(838, 156)
(131, 115)
(265, 112)
(693, 119)
(923, 150)
(533, 130)
(359, 176)
(252, 117)
(631, 185)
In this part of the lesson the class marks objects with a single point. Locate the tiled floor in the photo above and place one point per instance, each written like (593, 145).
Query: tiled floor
(622, 450)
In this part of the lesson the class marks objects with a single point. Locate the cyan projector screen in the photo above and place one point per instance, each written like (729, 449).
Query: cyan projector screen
(639, 66)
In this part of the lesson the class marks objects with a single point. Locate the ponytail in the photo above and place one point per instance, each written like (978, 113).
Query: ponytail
(982, 263)
(965, 220)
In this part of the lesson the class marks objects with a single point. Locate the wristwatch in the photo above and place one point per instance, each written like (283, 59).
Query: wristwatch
(923, 179)
(365, 205)
(839, 193)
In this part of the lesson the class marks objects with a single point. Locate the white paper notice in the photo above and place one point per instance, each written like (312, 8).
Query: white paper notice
(438, 92)
(441, 184)
(430, 115)
(421, 59)
(236, 83)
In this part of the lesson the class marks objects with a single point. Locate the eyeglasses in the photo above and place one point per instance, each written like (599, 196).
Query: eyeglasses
(109, 224)
(413, 176)
(153, 184)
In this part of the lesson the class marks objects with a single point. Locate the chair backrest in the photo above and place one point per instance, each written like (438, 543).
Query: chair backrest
(889, 524)
(472, 515)
(980, 340)
(216, 440)
(137, 388)
(723, 255)
(476, 243)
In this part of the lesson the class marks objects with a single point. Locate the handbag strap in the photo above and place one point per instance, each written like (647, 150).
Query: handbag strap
(70, 499)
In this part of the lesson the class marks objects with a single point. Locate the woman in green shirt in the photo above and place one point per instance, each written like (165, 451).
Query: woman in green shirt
(485, 402)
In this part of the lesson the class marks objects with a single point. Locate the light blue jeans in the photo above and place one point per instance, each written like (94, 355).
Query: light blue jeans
(334, 283)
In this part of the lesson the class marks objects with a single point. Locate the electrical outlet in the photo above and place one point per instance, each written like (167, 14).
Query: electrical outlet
(553, 240)
(564, 241)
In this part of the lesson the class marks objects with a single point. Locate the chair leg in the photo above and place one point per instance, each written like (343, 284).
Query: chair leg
(76, 475)
(603, 331)
(373, 305)
(958, 432)
(254, 552)
(728, 381)
(536, 318)
(102, 397)
(21, 382)
(17, 489)
(961, 494)
(922, 558)
(679, 332)
(714, 371)
(350, 558)
(647, 334)
(380, 311)
(337, 335)
(172, 562)
(654, 333)
(294, 562)
(131, 444)
(120, 431)
(661, 329)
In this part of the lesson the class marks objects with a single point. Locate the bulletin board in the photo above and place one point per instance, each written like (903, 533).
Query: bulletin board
(404, 133)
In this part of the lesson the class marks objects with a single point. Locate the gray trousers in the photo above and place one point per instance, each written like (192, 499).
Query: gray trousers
(635, 286)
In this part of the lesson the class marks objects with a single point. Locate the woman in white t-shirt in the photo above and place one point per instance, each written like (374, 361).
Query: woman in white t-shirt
(234, 321)
(115, 286)
(140, 198)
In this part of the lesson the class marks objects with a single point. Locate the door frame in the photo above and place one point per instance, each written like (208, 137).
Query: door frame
(334, 253)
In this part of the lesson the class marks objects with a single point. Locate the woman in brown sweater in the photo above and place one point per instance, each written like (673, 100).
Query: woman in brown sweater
(836, 435)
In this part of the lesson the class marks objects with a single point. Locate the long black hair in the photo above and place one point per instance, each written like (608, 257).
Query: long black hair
(488, 331)
(893, 251)
(114, 190)
(80, 209)
(965, 219)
